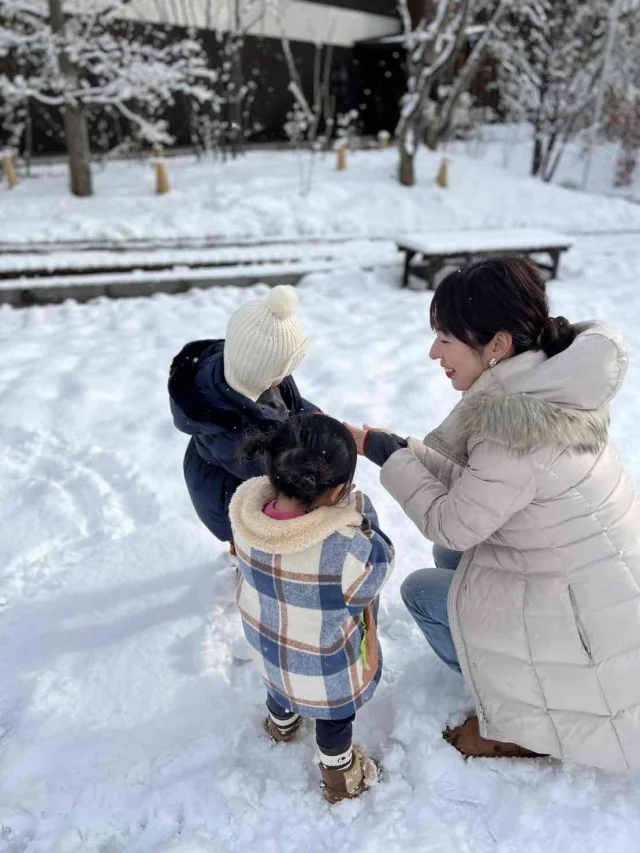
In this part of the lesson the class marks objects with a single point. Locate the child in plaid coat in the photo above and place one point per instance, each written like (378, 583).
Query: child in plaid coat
(312, 562)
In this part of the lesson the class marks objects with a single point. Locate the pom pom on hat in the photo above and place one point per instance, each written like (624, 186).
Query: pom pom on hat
(265, 342)
(283, 301)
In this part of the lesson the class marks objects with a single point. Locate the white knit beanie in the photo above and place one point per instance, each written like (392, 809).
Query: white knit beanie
(264, 343)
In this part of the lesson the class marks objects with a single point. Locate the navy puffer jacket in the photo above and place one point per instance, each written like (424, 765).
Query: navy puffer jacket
(217, 418)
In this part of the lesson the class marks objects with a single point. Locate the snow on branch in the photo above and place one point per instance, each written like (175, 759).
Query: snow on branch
(550, 63)
(95, 58)
(444, 52)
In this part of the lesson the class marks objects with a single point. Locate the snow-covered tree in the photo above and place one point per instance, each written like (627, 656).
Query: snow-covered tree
(550, 55)
(236, 19)
(312, 112)
(434, 41)
(311, 120)
(226, 125)
(629, 132)
(82, 54)
(623, 115)
(12, 123)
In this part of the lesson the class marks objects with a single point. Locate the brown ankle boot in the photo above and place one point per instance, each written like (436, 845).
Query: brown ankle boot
(282, 735)
(468, 741)
(348, 783)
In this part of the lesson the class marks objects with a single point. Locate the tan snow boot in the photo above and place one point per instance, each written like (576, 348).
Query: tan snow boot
(348, 783)
(470, 743)
(282, 734)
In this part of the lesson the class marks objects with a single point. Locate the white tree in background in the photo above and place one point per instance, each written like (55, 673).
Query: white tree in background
(624, 107)
(629, 142)
(12, 122)
(83, 54)
(234, 19)
(309, 113)
(550, 56)
(435, 48)
(627, 129)
(15, 61)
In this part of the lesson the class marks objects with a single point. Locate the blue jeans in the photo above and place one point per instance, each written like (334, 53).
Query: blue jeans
(425, 595)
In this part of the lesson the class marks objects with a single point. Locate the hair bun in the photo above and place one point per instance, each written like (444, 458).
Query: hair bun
(557, 335)
(307, 456)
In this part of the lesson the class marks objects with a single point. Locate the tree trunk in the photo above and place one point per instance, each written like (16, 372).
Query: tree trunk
(235, 107)
(432, 135)
(77, 134)
(466, 75)
(411, 125)
(75, 120)
(419, 9)
(536, 163)
(625, 167)
(28, 139)
(407, 173)
(555, 150)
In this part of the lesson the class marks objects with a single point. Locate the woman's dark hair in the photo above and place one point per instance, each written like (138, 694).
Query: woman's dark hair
(306, 456)
(476, 302)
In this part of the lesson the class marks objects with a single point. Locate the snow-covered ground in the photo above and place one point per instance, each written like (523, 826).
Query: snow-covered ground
(257, 197)
(125, 724)
(510, 147)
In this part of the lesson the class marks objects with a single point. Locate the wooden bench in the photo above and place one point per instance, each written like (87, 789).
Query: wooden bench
(438, 250)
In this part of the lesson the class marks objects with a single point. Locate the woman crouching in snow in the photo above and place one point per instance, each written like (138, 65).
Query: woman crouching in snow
(536, 598)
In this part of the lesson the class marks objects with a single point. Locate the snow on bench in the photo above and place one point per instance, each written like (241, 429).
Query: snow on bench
(445, 248)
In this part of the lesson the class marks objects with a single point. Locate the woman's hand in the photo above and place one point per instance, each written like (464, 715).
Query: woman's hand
(359, 435)
(380, 443)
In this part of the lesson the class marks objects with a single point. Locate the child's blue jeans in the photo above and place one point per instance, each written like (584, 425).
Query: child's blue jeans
(425, 594)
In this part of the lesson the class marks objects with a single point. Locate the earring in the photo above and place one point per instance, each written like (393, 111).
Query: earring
(493, 362)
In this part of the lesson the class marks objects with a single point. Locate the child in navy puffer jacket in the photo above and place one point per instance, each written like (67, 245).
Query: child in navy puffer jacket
(221, 390)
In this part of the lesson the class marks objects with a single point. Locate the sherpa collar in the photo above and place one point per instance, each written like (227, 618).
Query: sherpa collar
(257, 530)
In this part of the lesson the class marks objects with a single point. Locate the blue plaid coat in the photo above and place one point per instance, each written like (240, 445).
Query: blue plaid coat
(307, 596)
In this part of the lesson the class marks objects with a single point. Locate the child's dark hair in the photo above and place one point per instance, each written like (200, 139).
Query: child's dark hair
(306, 456)
(476, 302)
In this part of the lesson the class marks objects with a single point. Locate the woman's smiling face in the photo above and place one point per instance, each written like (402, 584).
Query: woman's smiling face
(462, 364)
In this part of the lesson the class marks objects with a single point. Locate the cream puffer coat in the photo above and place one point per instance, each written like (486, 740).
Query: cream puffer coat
(545, 606)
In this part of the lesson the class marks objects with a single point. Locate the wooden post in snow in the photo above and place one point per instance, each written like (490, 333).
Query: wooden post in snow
(384, 139)
(343, 160)
(9, 171)
(442, 180)
(163, 184)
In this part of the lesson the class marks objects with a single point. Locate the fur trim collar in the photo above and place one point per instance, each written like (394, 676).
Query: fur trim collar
(521, 422)
(257, 530)
(524, 422)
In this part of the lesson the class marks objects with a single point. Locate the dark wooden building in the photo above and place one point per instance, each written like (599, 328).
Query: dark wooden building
(359, 39)
(366, 71)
